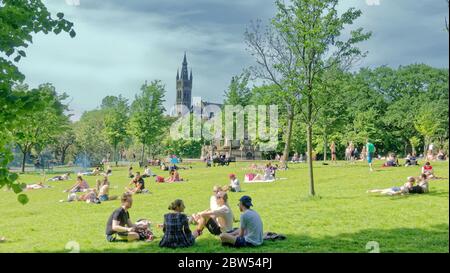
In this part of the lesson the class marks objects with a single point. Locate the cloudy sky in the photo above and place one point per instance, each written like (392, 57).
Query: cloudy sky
(121, 44)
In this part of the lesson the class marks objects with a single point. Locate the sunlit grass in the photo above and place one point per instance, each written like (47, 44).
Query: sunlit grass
(341, 218)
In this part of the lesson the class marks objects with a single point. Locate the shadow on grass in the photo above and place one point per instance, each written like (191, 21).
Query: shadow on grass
(405, 240)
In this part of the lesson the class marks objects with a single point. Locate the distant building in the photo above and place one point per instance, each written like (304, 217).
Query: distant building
(184, 89)
(185, 103)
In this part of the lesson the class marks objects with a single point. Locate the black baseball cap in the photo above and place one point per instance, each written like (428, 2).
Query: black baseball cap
(246, 201)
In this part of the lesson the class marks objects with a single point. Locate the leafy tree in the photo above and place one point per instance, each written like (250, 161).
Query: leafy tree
(116, 121)
(19, 20)
(147, 120)
(311, 32)
(40, 128)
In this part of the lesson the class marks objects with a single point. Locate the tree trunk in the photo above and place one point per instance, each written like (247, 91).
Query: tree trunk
(310, 160)
(143, 152)
(23, 160)
(325, 147)
(287, 145)
(115, 154)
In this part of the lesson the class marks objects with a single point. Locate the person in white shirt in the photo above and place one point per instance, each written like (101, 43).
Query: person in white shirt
(217, 221)
(234, 183)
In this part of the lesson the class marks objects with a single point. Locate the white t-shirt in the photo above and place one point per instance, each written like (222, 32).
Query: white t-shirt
(235, 184)
(224, 217)
(213, 203)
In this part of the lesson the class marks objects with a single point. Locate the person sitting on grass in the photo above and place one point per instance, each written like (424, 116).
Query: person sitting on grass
(108, 171)
(176, 227)
(119, 225)
(164, 167)
(174, 176)
(147, 172)
(427, 169)
(103, 191)
(139, 184)
(130, 172)
(216, 221)
(212, 205)
(391, 161)
(441, 156)
(396, 190)
(411, 160)
(250, 232)
(267, 176)
(63, 177)
(80, 186)
(234, 183)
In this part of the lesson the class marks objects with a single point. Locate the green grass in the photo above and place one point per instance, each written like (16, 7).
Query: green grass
(342, 218)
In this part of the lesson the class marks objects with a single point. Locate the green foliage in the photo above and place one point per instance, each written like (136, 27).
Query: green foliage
(183, 148)
(116, 120)
(19, 20)
(147, 121)
(238, 92)
(90, 138)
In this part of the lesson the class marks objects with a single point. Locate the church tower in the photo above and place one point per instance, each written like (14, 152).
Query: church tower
(184, 88)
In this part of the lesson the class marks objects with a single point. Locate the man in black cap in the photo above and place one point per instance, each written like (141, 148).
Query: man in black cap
(251, 231)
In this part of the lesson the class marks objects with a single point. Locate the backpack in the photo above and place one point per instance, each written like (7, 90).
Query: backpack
(159, 179)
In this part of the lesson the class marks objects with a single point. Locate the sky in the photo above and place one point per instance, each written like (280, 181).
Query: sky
(121, 44)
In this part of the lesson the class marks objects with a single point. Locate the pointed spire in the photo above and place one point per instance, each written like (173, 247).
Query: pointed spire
(184, 59)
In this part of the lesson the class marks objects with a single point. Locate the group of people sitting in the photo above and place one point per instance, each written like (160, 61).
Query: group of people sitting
(268, 174)
(218, 220)
(412, 185)
(90, 195)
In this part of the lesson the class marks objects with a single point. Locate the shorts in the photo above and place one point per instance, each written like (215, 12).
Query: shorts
(103, 197)
(213, 227)
(240, 242)
(369, 157)
(117, 237)
(396, 189)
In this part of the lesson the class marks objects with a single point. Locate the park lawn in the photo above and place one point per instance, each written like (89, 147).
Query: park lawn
(341, 218)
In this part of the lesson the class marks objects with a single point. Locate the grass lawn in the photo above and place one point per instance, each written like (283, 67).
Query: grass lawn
(341, 218)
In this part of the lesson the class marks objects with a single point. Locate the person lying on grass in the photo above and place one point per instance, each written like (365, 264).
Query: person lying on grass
(119, 226)
(174, 176)
(176, 227)
(217, 221)
(250, 232)
(396, 190)
(36, 186)
(94, 172)
(79, 186)
(422, 185)
(63, 177)
(103, 190)
(138, 182)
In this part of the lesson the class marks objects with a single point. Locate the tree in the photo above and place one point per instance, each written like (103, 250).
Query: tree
(90, 142)
(147, 120)
(428, 122)
(64, 140)
(306, 45)
(39, 128)
(116, 120)
(238, 92)
(18, 21)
